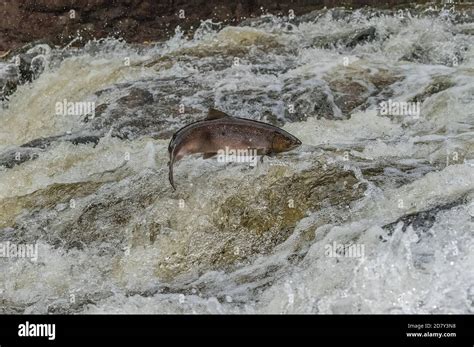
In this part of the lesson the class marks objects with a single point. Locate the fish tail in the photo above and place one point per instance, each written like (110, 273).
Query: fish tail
(170, 175)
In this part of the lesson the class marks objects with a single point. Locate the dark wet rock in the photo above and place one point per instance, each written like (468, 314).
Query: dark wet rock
(271, 66)
(9, 79)
(232, 45)
(421, 221)
(22, 65)
(348, 95)
(136, 97)
(143, 126)
(257, 104)
(297, 101)
(417, 54)
(355, 88)
(389, 173)
(324, 41)
(423, 53)
(337, 14)
(439, 84)
(361, 36)
(75, 139)
(68, 306)
(154, 111)
(105, 216)
(309, 99)
(45, 200)
(17, 156)
(347, 39)
(155, 107)
(42, 142)
(32, 149)
(311, 190)
(33, 62)
(80, 140)
(12, 307)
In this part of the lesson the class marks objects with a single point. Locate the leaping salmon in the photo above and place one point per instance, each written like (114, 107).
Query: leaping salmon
(219, 131)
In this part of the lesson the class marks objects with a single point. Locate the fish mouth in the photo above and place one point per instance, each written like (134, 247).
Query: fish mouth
(296, 143)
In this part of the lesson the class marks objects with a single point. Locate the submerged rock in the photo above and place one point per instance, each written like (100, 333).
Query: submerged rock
(361, 36)
(438, 84)
(13, 157)
(421, 221)
(309, 98)
(23, 65)
(348, 39)
(75, 139)
(154, 111)
(33, 149)
(49, 200)
(235, 219)
(9, 79)
(354, 86)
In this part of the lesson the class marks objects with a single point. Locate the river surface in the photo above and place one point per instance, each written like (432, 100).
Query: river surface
(372, 214)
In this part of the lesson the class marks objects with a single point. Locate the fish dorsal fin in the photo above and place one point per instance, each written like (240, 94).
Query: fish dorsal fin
(215, 114)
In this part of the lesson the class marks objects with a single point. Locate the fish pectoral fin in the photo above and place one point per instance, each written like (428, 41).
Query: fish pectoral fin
(208, 155)
(215, 114)
(265, 152)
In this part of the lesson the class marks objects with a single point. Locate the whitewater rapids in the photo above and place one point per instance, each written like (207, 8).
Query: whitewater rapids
(93, 194)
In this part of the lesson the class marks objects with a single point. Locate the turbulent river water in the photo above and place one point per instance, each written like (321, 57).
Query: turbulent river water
(372, 214)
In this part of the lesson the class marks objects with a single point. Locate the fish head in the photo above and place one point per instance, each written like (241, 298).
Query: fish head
(283, 142)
